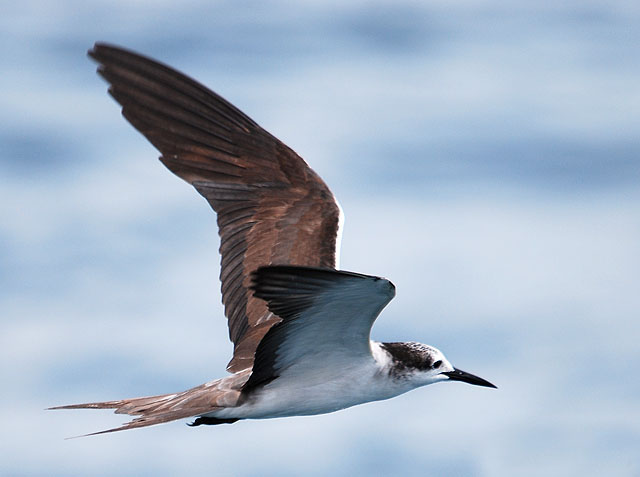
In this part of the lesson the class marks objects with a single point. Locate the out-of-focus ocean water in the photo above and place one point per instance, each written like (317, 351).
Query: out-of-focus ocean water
(486, 155)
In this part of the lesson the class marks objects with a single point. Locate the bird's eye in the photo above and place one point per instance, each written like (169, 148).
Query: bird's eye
(437, 364)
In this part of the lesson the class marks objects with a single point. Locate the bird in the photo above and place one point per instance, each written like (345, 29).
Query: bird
(300, 327)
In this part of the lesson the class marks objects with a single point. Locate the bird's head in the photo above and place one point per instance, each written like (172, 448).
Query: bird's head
(423, 364)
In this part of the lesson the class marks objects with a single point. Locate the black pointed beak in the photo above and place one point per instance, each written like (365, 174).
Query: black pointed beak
(459, 375)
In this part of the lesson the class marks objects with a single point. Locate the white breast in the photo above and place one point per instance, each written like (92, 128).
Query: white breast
(301, 391)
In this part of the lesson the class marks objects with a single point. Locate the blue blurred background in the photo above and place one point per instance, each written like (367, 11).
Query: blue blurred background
(487, 157)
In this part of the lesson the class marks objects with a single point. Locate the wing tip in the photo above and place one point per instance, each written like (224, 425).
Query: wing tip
(98, 48)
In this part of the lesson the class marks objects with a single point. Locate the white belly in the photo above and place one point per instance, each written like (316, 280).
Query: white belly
(300, 393)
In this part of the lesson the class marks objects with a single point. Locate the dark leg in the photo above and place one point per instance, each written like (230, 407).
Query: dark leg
(211, 421)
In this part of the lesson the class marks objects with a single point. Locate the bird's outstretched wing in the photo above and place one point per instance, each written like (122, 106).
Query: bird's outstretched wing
(272, 208)
(326, 314)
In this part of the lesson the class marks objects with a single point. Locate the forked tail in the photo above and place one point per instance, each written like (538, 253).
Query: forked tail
(151, 410)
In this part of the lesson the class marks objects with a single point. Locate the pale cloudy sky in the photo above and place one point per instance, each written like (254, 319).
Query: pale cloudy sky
(487, 158)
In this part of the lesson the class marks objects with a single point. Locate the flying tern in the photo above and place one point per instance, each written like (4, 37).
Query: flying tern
(299, 326)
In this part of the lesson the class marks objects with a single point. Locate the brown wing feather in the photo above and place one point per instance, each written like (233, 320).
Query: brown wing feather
(272, 208)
